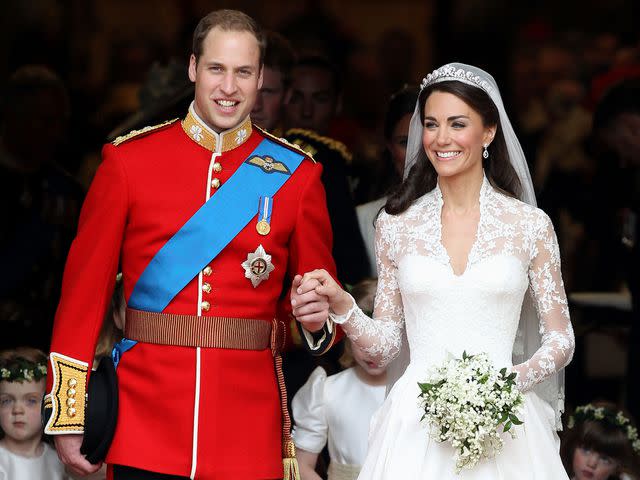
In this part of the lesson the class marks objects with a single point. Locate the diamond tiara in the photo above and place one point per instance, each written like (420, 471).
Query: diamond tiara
(449, 72)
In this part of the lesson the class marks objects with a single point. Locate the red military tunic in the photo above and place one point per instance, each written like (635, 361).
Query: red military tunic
(199, 412)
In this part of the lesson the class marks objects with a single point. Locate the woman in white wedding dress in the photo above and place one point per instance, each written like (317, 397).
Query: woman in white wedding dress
(464, 257)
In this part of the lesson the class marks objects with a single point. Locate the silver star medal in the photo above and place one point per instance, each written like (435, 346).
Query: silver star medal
(258, 266)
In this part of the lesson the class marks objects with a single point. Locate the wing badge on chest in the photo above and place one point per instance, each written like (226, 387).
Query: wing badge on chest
(268, 164)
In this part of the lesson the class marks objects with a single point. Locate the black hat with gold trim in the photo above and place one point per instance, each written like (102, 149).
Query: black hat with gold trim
(101, 412)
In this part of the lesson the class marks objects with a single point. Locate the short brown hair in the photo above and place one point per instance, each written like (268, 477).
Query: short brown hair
(601, 436)
(28, 353)
(227, 20)
(279, 55)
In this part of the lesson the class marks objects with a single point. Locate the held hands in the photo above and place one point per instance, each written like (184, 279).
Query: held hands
(320, 283)
(309, 308)
(68, 448)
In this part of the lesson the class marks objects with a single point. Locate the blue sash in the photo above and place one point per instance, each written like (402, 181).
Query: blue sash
(214, 225)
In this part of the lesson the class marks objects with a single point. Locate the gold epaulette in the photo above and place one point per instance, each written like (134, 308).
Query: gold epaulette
(142, 131)
(67, 399)
(332, 143)
(286, 143)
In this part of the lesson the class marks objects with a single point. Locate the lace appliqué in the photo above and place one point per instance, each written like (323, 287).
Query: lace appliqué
(508, 229)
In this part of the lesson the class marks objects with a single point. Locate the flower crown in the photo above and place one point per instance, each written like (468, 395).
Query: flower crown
(20, 369)
(601, 414)
(450, 72)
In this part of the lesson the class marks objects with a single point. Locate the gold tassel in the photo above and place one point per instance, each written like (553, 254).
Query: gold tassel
(291, 471)
(289, 460)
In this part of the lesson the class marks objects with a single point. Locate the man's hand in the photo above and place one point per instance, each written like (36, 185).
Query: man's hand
(68, 447)
(323, 284)
(309, 307)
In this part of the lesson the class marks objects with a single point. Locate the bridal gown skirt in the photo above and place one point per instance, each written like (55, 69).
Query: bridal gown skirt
(400, 447)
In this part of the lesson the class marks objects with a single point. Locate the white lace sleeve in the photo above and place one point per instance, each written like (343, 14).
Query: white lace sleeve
(547, 287)
(380, 337)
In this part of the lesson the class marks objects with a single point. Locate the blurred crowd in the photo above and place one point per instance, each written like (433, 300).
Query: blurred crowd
(574, 97)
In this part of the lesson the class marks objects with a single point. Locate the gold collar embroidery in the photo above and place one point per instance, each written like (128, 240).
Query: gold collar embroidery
(200, 133)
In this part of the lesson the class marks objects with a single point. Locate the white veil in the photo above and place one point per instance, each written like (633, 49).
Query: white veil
(528, 338)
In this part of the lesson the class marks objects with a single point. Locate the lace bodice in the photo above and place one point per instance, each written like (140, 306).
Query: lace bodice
(478, 311)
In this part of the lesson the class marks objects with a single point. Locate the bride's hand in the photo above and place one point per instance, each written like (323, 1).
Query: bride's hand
(340, 301)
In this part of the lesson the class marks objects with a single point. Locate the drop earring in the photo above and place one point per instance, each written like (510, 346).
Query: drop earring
(485, 152)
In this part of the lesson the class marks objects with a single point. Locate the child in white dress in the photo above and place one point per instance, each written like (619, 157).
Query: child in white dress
(23, 454)
(336, 410)
(601, 443)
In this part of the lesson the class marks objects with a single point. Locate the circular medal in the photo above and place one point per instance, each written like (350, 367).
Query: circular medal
(258, 267)
(263, 227)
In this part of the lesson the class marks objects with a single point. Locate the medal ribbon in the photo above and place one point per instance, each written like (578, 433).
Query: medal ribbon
(265, 208)
(211, 228)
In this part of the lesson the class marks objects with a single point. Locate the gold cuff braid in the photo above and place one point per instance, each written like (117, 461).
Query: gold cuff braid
(67, 399)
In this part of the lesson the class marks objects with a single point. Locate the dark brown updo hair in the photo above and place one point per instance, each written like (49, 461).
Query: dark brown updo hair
(422, 177)
(600, 436)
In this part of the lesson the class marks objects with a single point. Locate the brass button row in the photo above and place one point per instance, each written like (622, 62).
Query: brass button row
(215, 183)
(207, 271)
(206, 288)
(71, 397)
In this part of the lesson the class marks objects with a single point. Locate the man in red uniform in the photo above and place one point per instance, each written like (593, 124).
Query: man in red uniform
(208, 218)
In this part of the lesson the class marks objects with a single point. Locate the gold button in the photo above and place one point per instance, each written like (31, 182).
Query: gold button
(206, 288)
(207, 270)
(205, 306)
(72, 382)
(71, 412)
(71, 402)
(215, 183)
(217, 167)
(71, 392)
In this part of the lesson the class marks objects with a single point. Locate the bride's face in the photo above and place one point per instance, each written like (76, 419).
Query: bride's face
(453, 135)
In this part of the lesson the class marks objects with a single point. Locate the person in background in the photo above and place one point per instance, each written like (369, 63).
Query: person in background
(396, 130)
(315, 100)
(601, 443)
(616, 140)
(40, 204)
(279, 58)
(336, 410)
(23, 454)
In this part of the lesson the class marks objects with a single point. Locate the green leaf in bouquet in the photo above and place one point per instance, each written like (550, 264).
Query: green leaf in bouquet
(512, 376)
(515, 420)
(507, 426)
(426, 387)
(503, 372)
(504, 417)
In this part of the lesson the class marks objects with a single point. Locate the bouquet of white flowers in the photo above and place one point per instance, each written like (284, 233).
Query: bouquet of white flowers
(465, 402)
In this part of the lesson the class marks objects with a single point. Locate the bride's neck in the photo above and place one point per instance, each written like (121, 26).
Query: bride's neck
(461, 192)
